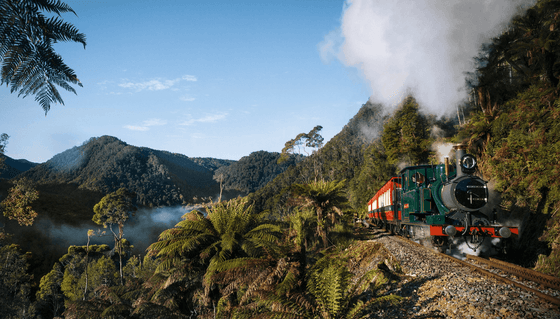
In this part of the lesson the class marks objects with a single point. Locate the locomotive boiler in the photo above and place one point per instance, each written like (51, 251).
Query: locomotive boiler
(439, 202)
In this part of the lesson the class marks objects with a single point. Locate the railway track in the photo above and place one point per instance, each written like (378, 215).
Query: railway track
(526, 279)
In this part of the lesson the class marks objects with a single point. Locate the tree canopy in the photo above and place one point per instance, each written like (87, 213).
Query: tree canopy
(115, 209)
(17, 205)
(312, 140)
(406, 136)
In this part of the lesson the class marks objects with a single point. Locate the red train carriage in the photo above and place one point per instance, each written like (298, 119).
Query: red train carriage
(383, 206)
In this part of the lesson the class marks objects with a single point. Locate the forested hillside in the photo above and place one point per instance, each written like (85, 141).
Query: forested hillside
(337, 160)
(516, 130)
(106, 163)
(13, 167)
(253, 172)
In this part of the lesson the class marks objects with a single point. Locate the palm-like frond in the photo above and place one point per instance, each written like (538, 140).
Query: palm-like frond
(328, 199)
(55, 6)
(230, 232)
(29, 63)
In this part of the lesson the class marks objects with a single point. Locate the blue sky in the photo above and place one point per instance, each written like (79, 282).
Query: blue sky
(224, 78)
(211, 78)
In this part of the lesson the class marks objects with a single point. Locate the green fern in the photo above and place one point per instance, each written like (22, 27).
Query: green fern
(230, 232)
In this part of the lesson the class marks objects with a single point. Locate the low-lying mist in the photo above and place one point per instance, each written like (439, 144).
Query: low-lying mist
(141, 230)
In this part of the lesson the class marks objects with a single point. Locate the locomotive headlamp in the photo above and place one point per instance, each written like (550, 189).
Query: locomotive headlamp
(505, 232)
(468, 161)
(450, 230)
(468, 164)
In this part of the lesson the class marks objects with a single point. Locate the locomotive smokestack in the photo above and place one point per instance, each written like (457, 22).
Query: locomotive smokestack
(446, 168)
(460, 151)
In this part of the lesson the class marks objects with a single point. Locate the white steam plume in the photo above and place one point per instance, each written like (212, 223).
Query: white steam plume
(421, 47)
(442, 151)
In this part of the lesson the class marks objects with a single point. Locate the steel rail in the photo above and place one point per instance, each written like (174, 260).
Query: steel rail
(529, 274)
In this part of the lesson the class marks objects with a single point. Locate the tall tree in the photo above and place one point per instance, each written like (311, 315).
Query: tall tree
(313, 140)
(15, 282)
(29, 63)
(17, 205)
(3, 141)
(115, 209)
(50, 298)
(373, 173)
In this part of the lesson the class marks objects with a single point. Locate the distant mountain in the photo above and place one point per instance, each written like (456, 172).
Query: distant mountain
(159, 178)
(14, 167)
(253, 172)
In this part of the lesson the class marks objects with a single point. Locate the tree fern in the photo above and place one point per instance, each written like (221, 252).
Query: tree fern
(328, 199)
(29, 63)
(230, 231)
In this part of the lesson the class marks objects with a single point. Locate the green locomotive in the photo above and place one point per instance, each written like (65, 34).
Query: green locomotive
(439, 202)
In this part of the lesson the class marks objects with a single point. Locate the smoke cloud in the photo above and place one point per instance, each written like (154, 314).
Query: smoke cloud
(419, 47)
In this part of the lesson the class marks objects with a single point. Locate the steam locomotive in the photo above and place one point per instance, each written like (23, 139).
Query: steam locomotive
(441, 203)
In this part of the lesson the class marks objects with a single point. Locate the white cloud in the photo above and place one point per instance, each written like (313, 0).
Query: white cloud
(211, 118)
(136, 128)
(329, 46)
(198, 136)
(157, 84)
(153, 122)
(152, 85)
(146, 125)
(190, 78)
(187, 98)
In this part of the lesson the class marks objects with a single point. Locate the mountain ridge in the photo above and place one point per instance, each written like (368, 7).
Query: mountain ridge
(14, 167)
(106, 163)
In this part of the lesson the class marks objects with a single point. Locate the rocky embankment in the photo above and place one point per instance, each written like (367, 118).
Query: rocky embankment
(435, 287)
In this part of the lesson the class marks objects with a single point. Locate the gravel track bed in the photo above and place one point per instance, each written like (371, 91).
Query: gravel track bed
(531, 284)
(435, 287)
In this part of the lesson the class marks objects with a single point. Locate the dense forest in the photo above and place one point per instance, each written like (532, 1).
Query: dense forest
(289, 246)
(253, 172)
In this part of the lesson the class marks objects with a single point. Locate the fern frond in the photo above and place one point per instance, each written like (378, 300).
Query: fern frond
(29, 63)
(55, 6)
